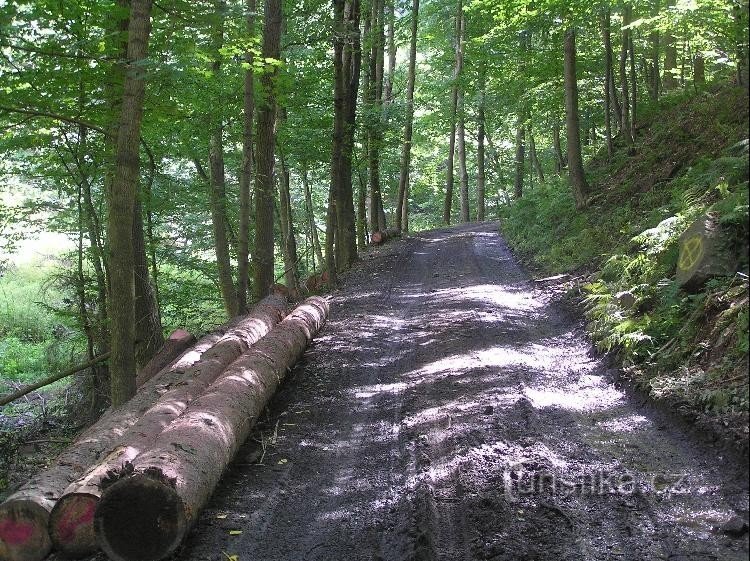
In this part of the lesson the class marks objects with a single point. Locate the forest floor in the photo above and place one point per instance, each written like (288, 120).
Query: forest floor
(453, 410)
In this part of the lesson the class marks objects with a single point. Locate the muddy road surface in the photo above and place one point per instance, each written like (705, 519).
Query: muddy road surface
(451, 411)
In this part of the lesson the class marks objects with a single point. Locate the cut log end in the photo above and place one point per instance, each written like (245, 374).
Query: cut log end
(71, 525)
(140, 519)
(23, 531)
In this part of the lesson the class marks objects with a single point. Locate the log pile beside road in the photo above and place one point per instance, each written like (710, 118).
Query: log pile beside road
(59, 506)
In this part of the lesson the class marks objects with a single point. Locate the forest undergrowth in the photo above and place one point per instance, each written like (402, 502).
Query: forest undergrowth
(688, 350)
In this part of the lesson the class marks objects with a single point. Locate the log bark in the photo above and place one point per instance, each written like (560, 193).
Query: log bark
(147, 513)
(24, 515)
(177, 343)
(71, 519)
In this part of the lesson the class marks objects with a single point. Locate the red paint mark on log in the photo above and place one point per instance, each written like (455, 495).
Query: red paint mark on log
(15, 533)
(81, 515)
(179, 334)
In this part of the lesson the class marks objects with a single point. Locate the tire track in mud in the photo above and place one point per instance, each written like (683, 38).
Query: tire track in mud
(451, 412)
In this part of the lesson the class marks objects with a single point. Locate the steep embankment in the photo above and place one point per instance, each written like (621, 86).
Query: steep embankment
(686, 348)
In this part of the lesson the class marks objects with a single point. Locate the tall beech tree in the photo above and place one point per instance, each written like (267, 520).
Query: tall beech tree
(263, 256)
(122, 204)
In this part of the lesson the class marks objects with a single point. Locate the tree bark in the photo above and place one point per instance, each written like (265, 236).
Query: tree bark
(557, 146)
(625, 124)
(633, 85)
(535, 163)
(670, 57)
(375, 137)
(402, 208)
(575, 161)
(481, 168)
(391, 50)
(148, 330)
(217, 191)
(699, 70)
(347, 62)
(122, 198)
(170, 484)
(289, 239)
(607, 39)
(520, 157)
(246, 170)
(263, 256)
(314, 238)
(457, 70)
(72, 533)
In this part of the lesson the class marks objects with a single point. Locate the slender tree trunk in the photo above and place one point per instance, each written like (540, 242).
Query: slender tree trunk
(361, 212)
(461, 150)
(535, 163)
(633, 85)
(289, 239)
(391, 50)
(403, 182)
(520, 157)
(557, 146)
(331, 265)
(699, 70)
(374, 91)
(457, 70)
(314, 239)
(122, 197)
(607, 38)
(246, 170)
(263, 256)
(217, 192)
(625, 123)
(148, 331)
(741, 13)
(670, 57)
(575, 161)
(481, 171)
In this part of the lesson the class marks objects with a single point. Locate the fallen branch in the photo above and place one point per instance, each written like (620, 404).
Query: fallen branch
(52, 379)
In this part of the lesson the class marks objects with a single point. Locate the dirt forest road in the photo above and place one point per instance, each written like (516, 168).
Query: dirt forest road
(451, 411)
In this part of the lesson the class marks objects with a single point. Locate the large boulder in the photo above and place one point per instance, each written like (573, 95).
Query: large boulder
(703, 253)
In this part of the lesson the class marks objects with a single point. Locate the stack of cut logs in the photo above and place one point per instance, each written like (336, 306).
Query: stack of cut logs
(134, 482)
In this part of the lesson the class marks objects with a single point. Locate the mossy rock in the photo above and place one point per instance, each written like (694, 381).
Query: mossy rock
(703, 254)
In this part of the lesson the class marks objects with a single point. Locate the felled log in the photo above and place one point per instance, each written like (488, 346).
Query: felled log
(147, 512)
(71, 520)
(24, 516)
(382, 236)
(178, 342)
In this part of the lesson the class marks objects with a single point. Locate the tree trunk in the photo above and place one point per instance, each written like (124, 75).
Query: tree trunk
(670, 57)
(457, 70)
(263, 256)
(625, 124)
(575, 161)
(122, 198)
(217, 192)
(330, 261)
(391, 50)
(375, 136)
(72, 533)
(402, 208)
(148, 330)
(26, 512)
(520, 157)
(633, 85)
(347, 62)
(170, 484)
(557, 146)
(535, 163)
(289, 239)
(246, 170)
(699, 70)
(315, 240)
(741, 13)
(481, 178)
(607, 38)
